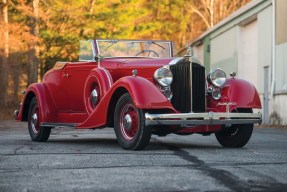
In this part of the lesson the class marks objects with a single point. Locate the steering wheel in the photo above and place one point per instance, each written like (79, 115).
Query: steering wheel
(149, 52)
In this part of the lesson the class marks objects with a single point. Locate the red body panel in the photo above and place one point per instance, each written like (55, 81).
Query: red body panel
(45, 99)
(144, 93)
(103, 78)
(238, 91)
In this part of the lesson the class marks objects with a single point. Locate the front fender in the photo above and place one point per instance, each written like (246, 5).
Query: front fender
(45, 101)
(238, 91)
(144, 93)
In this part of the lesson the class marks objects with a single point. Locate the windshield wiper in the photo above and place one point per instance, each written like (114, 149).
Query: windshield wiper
(152, 42)
(112, 42)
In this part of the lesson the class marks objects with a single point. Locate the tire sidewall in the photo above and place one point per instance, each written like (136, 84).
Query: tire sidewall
(229, 137)
(239, 139)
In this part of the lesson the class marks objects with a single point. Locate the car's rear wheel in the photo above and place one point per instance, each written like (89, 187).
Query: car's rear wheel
(237, 135)
(36, 131)
(129, 125)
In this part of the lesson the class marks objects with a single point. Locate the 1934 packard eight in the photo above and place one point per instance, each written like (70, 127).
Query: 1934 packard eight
(140, 89)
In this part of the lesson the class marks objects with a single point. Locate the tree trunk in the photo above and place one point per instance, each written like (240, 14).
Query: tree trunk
(4, 63)
(92, 3)
(34, 49)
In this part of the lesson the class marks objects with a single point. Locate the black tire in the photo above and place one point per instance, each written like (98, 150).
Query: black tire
(36, 131)
(237, 135)
(129, 125)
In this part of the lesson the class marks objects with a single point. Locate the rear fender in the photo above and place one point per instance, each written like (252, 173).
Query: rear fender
(46, 103)
(144, 93)
(238, 91)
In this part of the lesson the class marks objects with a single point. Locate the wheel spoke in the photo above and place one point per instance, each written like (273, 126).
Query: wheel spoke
(128, 121)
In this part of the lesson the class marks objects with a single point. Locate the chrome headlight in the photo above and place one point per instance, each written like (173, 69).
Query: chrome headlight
(163, 76)
(216, 78)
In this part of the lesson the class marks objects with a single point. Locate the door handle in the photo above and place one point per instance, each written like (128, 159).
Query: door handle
(66, 75)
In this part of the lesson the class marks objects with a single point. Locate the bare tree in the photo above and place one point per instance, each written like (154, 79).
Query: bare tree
(211, 12)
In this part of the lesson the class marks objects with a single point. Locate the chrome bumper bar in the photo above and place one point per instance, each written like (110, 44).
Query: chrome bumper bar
(210, 118)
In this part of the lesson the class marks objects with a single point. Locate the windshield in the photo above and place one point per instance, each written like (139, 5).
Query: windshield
(134, 48)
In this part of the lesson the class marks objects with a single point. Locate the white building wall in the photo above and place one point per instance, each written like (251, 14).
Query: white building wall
(198, 52)
(264, 21)
(279, 115)
(247, 52)
(281, 68)
(223, 52)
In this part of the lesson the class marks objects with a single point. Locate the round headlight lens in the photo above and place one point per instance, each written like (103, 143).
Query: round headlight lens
(216, 78)
(163, 76)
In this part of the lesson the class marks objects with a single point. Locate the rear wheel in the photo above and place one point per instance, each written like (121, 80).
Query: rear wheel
(130, 125)
(36, 131)
(237, 135)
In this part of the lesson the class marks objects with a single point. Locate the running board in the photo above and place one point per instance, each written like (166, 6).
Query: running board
(72, 125)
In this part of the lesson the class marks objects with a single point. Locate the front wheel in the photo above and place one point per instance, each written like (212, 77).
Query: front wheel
(36, 131)
(237, 135)
(129, 125)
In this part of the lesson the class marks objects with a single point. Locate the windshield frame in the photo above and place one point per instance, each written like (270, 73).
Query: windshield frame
(156, 42)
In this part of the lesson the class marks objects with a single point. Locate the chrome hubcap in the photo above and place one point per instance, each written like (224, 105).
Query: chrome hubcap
(128, 122)
(34, 122)
(94, 98)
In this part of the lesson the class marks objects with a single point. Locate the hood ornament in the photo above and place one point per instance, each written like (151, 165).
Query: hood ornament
(188, 55)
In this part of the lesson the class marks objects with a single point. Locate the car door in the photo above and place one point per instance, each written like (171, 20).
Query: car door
(74, 78)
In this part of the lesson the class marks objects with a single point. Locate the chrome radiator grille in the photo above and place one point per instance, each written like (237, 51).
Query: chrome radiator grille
(182, 85)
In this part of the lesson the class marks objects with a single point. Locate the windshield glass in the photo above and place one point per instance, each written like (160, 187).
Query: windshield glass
(134, 48)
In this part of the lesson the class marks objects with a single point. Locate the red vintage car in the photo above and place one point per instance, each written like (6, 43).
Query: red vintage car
(140, 89)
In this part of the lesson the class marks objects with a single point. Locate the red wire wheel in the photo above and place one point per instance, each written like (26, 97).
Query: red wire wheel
(36, 131)
(129, 124)
(129, 121)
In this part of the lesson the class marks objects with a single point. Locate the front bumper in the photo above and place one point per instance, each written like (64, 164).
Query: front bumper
(210, 118)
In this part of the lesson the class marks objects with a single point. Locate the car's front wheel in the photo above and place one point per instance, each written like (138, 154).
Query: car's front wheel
(36, 131)
(237, 135)
(129, 125)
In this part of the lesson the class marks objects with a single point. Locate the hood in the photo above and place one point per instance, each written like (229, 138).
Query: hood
(120, 67)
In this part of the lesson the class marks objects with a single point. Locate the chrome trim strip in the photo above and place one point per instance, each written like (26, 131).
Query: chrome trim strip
(209, 118)
(94, 49)
(170, 49)
(58, 125)
(108, 75)
(98, 50)
(175, 60)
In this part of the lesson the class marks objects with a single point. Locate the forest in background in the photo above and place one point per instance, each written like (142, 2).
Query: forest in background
(34, 34)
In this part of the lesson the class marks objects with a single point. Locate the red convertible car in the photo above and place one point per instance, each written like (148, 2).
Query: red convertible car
(140, 89)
